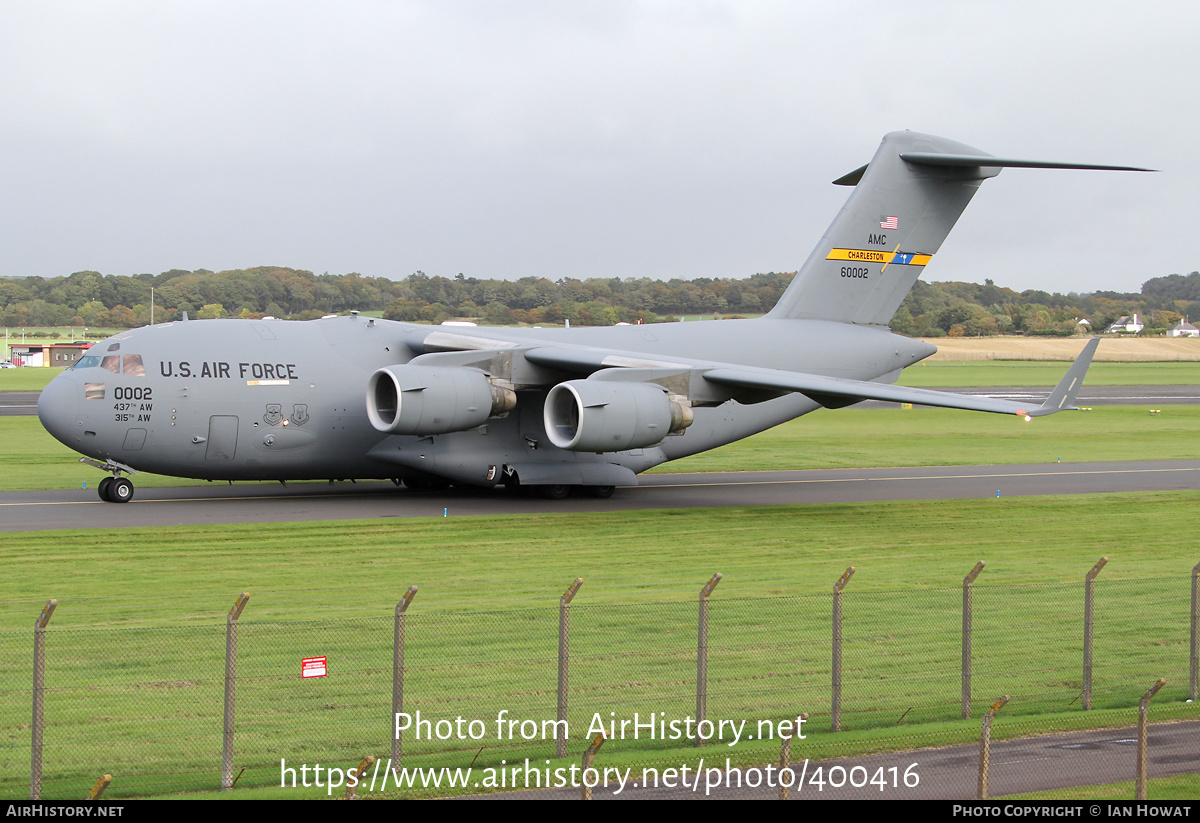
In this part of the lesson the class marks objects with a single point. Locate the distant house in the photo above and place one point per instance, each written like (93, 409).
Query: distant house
(62, 355)
(1125, 325)
(1183, 329)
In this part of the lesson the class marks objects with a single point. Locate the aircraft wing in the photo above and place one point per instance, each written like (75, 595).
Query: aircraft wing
(828, 391)
(840, 391)
(587, 360)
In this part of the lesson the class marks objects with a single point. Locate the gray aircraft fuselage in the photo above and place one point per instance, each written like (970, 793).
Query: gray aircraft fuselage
(281, 400)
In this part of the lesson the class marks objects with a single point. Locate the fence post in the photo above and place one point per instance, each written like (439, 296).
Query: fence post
(785, 758)
(589, 757)
(968, 582)
(398, 674)
(1089, 591)
(1195, 665)
(1143, 733)
(230, 683)
(836, 709)
(357, 775)
(564, 654)
(985, 745)
(702, 655)
(39, 686)
(98, 787)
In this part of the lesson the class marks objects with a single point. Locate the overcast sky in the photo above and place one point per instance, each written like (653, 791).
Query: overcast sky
(583, 139)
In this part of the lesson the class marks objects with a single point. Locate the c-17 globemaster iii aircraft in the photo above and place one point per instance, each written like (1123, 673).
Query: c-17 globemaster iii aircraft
(559, 409)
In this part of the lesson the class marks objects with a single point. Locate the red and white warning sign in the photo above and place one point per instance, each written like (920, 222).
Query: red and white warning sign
(313, 667)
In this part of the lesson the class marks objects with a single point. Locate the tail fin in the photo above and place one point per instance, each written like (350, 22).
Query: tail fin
(904, 204)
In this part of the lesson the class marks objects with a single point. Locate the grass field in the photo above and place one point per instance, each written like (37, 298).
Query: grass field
(965, 374)
(136, 643)
(1119, 348)
(192, 574)
(27, 379)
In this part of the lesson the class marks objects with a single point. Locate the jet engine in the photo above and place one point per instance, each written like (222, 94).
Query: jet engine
(433, 399)
(609, 416)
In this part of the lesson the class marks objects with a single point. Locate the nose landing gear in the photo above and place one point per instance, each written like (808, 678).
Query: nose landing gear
(115, 489)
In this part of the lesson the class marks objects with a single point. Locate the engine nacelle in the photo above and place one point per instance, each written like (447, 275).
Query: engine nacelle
(433, 399)
(610, 416)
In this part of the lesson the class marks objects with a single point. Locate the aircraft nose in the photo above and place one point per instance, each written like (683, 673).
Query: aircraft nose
(58, 409)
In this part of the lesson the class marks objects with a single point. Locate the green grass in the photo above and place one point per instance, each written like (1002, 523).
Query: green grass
(26, 379)
(852, 438)
(192, 574)
(136, 645)
(966, 374)
(847, 438)
(40, 334)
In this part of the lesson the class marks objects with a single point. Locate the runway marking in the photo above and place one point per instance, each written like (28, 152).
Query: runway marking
(188, 499)
(914, 477)
(778, 482)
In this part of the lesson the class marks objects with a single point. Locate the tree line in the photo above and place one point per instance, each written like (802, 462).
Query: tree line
(930, 310)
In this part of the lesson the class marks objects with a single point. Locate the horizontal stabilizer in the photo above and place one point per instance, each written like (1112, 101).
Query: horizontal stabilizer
(968, 161)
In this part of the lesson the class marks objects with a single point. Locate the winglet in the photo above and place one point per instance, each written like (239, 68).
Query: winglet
(1065, 392)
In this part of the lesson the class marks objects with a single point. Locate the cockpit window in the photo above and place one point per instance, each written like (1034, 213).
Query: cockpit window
(133, 365)
(93, 391)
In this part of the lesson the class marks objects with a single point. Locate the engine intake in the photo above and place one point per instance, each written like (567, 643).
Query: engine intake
(433, 399)
(609, 416)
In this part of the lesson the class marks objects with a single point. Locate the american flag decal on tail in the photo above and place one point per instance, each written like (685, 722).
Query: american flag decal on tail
(890, 222)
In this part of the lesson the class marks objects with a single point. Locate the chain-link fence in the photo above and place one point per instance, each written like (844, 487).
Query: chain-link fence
(668, 685)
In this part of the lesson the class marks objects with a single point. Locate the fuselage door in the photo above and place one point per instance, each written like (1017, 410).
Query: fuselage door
(222, 437)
